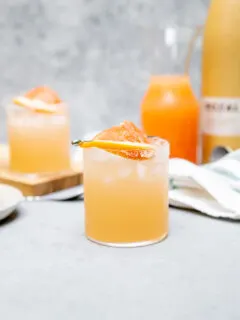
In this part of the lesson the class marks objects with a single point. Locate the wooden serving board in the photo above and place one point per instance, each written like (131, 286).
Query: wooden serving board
(38, 185)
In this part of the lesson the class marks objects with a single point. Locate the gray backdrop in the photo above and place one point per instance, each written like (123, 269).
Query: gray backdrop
(98, 54)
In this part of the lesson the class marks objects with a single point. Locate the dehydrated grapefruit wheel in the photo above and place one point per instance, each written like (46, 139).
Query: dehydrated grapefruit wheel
(44, 94)
(125, 140)
(40, 99)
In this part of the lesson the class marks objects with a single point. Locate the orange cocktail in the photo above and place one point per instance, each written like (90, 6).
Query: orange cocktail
(126, 195)
(38, 133)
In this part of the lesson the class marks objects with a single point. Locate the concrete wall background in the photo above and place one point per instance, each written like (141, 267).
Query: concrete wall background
(98, 54)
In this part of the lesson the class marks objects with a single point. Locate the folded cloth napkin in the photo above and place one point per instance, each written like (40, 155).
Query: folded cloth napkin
(212, 189)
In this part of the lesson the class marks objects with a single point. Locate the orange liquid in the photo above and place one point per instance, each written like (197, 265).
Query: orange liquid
(38, 143)
(170, 111)
(126, 201)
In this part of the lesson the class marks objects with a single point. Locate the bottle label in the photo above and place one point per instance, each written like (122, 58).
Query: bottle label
(220, 116)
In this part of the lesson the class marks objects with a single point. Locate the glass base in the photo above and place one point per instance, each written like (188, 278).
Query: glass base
(129, 244)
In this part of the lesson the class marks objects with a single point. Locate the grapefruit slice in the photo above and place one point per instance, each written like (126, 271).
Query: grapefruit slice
(44, 94)
(40, 99)
(34, 105)
(125, 140)
(126, 131)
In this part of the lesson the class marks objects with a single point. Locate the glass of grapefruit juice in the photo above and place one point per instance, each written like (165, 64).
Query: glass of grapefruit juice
(38, 137)
(126, 192)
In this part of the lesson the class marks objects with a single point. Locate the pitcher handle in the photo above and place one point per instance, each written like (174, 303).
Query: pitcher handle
(191, 45)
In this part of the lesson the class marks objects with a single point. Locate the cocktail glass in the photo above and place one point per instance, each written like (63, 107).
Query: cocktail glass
(38, 142)
(126, 201)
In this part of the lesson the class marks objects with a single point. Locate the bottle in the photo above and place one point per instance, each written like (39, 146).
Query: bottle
(170, 111)
(220, 110)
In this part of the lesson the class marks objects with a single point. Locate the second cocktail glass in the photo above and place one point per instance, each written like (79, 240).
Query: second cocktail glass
(38, 141)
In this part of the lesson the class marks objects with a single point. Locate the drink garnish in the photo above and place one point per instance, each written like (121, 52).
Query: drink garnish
(44, 94)
(34, 105)
(112, 145)
(40, 99)
(125, 140)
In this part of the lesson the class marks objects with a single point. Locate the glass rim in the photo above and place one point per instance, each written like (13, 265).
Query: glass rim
(11, 106)
(161, 147)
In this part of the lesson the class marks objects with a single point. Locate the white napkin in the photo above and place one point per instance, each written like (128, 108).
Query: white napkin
(212, 189)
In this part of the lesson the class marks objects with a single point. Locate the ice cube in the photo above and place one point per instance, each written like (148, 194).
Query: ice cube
(141, 171)
(99, 155)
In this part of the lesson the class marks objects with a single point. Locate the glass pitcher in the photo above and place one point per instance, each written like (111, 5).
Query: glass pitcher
(170, 108)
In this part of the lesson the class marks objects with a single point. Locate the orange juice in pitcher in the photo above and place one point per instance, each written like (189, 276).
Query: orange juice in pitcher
(170, 110)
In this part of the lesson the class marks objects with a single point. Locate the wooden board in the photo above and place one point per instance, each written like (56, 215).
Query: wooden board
(37, 185)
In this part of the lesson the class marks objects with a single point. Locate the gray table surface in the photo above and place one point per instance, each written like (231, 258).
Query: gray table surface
(48, 270)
